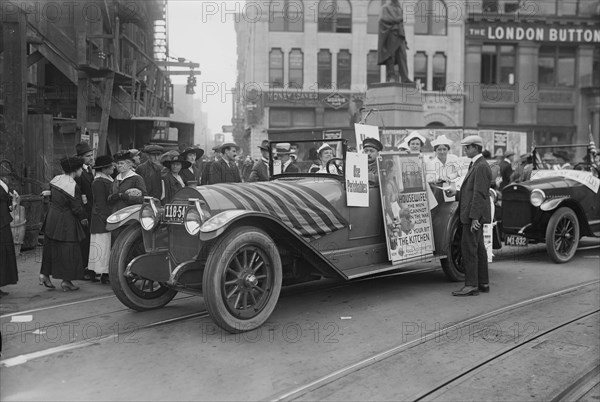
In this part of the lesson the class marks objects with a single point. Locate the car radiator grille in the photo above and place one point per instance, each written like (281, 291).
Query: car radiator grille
(516, 214)
(182, 246)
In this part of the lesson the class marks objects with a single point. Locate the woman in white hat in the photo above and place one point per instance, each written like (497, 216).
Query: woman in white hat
(444, 166)
(325, 153)
(415, 142)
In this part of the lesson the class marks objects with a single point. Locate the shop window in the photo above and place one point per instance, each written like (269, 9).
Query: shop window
(373, 69)
(276, 68)
(431, 17)
(344, 69)
(282, 117)
(373, 16)
(324, 68)
(498, 64)
(296, 69)
(556, 66)
(420, 69)
(286, 16)
(335, 16)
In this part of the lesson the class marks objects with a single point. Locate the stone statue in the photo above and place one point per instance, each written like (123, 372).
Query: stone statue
(392, 44)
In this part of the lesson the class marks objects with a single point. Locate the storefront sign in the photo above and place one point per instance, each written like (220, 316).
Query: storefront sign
(292, 97)
(532, 32)
(406, 210)
(357, 180)
(332, 134)
(335, 100)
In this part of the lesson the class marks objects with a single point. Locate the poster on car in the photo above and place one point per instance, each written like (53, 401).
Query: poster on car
(406, 212)
(357, 180)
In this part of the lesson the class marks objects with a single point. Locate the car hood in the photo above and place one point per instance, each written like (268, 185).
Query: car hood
(548, 183)
(310, 206)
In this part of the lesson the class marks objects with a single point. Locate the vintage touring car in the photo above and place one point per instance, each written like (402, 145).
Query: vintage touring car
(556, 207)
(238, 244)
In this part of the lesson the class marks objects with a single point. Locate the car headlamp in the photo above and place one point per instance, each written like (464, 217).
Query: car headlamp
(149, 215)
(537, 197)
(194, 217)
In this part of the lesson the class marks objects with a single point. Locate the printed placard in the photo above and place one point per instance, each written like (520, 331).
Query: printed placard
(581, 176)
(405, 205)
(357, 180)
(363, 131)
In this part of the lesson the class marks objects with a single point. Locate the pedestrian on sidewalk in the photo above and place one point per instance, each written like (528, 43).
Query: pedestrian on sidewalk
(129, 187)
(63, 228)
(8, 258)
(100, 237)
(85, 180)
(173, 180)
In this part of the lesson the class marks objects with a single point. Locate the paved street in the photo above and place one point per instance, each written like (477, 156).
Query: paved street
(86, 345)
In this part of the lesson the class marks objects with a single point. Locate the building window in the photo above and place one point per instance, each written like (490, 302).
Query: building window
(324, 68)
(286, 16)
(431, 17)
(421, 69)
(439, 72)
(335, 16)
(498, 64)
(344, 69)
(276, 68)
(556, 66)
(373, 69)
(557, 7)
(296, 69)
(373, 16)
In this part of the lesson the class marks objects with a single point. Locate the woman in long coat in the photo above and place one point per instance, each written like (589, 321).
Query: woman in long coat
(8, 259)
(192, 172)
(100, 237)
(129, 187)
(63, 228)
(172, 180)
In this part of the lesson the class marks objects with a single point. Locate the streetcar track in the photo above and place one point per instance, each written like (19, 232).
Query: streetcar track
(24, 358)
(354, 367)
(477, 366)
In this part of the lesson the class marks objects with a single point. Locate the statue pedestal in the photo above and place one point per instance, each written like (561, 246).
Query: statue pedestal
(397, 104)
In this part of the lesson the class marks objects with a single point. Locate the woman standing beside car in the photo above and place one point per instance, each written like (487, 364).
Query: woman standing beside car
(172, 180)
(129, 187)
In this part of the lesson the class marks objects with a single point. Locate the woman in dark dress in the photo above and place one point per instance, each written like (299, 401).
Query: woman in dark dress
(172, 180)
(8, 259)
(100, 237)
(129, 187)
(192, 172)
(63, 228)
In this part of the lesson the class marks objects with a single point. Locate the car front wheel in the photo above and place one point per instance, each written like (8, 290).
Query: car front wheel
(452, 264)
(242, 279)
(562, 235)
(137, 293)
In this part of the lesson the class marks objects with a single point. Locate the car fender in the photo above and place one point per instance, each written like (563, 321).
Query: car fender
(283, 236)
(553, 203)
(442, 221)
(550, 206)
(123, 217)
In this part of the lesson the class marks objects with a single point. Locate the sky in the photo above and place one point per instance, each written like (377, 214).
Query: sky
(203, 32)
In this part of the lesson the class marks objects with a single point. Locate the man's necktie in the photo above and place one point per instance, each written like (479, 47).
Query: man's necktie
(470, 165)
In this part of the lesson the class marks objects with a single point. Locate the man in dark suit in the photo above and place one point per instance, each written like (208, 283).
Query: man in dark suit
(225, 170)
(151, 170)
(475, 210)
(86, 153)
(206, 169)
(284, 151)
(506, 170)
(260, 169)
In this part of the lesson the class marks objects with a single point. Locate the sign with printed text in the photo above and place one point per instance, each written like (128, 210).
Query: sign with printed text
(357, 180)
(583, 177)
(363, 131)
(405, 205)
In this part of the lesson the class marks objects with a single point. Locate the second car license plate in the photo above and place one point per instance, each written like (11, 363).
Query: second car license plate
(516, 240)
(174, 213)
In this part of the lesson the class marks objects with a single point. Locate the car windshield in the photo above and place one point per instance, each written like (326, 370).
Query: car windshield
(307, 157)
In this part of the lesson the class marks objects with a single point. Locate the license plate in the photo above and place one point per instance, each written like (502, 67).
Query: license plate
(174, 213)
(516, 240)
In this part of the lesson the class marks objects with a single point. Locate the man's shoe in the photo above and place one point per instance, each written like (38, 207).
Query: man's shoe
(466, 291)
(104, 279)
(484, 288)
(89, 276)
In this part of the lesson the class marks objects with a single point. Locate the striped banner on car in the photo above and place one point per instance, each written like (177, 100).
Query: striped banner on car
(297, 206)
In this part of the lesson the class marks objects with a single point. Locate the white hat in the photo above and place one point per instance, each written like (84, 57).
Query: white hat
(441, 140)
(472, 139)
(403, 145)
(413, 135)
(324, 147)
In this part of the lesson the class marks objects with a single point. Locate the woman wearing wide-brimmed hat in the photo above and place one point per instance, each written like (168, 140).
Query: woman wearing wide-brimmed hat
(172, 180)
(192, 172)
(63, 228)
(129, 187)
(444, 167)
(100, 237)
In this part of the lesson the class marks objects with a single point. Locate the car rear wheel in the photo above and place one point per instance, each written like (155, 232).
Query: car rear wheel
(452, 264)
(137, 293)
(562, 235)
(242, 279)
